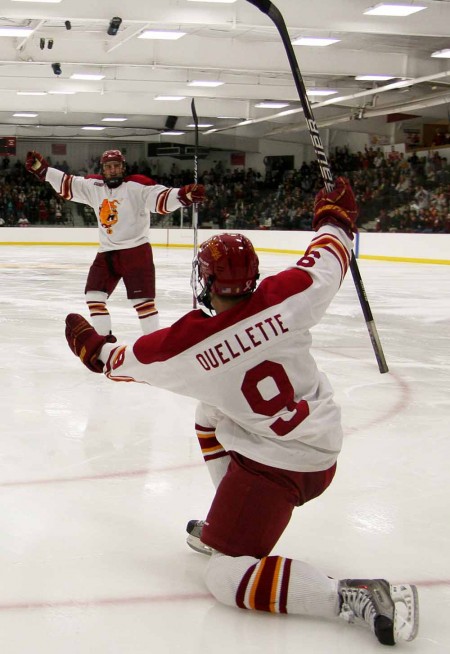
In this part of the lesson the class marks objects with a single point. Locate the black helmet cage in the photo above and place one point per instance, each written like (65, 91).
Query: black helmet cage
(117, 156)
(201, 290)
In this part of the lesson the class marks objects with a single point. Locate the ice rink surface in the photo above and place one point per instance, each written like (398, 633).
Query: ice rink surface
(98, 479)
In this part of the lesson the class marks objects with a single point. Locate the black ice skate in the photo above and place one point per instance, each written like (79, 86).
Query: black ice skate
(194, 530)
(391, 611)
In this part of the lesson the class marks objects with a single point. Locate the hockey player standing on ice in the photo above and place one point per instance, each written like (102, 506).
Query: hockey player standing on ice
(122, 206)
(267, 424)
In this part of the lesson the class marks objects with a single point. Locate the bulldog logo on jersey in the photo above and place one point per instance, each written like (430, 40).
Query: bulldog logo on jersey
(108, 214)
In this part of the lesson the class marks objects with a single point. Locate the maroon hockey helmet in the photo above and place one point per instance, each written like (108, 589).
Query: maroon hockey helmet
(227, 265)
(112, 155)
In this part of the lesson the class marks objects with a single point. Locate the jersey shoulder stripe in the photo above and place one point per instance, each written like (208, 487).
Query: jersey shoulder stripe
(66, 187)
(161, 201)
(334, 246)
(140, 179)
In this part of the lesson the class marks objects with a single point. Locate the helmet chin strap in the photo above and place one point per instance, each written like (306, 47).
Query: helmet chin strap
(113, 182)
(205, 296)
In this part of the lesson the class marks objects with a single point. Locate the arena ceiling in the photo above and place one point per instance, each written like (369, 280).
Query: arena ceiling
(231, 43)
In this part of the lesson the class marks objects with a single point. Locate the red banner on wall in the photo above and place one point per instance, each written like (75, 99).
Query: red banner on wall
(8, 145)
(59, 148)
(237, 158)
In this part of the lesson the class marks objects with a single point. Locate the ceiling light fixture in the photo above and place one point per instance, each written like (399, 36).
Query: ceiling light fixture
(201, 125)
(43, 1)
(114, 119)
(205, 83)
(170, 98)
(15, 31)
(373, 78)
(31, 93)
(312, 41)
(224, 2)
(271, 105)
(386, 9)
(442, 54)
(163, 35)
(93, 127)
(169, 133)
(87, 76)
(22, 114)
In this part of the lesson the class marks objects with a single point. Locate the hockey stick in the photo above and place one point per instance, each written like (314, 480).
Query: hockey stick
(267, 7)
(194, 206)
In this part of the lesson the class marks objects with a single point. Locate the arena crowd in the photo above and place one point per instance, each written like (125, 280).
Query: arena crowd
(395, 193)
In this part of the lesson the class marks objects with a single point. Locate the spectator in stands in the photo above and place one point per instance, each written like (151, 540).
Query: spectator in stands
(58, 213)
(422, 198)
(375, 188)
(403, 186)
(43, 213)
(23, 221)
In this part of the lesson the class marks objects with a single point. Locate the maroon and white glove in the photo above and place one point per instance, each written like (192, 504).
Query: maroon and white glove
(84, 341)
(337, 207)
(36, 165)
(190, 194)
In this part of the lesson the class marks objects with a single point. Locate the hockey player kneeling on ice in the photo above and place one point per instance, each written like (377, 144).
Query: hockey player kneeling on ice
(266, 422)
(122, 204)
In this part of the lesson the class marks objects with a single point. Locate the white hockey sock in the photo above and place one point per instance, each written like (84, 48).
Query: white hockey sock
(216, 458)
(100, 318)
(274, 584)
(147, 314)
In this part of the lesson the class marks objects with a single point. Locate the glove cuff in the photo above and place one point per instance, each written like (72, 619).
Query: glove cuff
(183, 198)
(331, 220)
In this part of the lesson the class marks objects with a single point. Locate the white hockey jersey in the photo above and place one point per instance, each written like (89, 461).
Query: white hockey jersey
(123, 213)
(251, 366)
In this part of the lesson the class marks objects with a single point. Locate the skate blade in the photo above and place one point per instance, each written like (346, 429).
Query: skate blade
(197, 545)
(406, 618)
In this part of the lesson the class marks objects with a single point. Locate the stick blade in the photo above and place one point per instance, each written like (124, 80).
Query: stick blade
(194, 112)
(263, 5)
